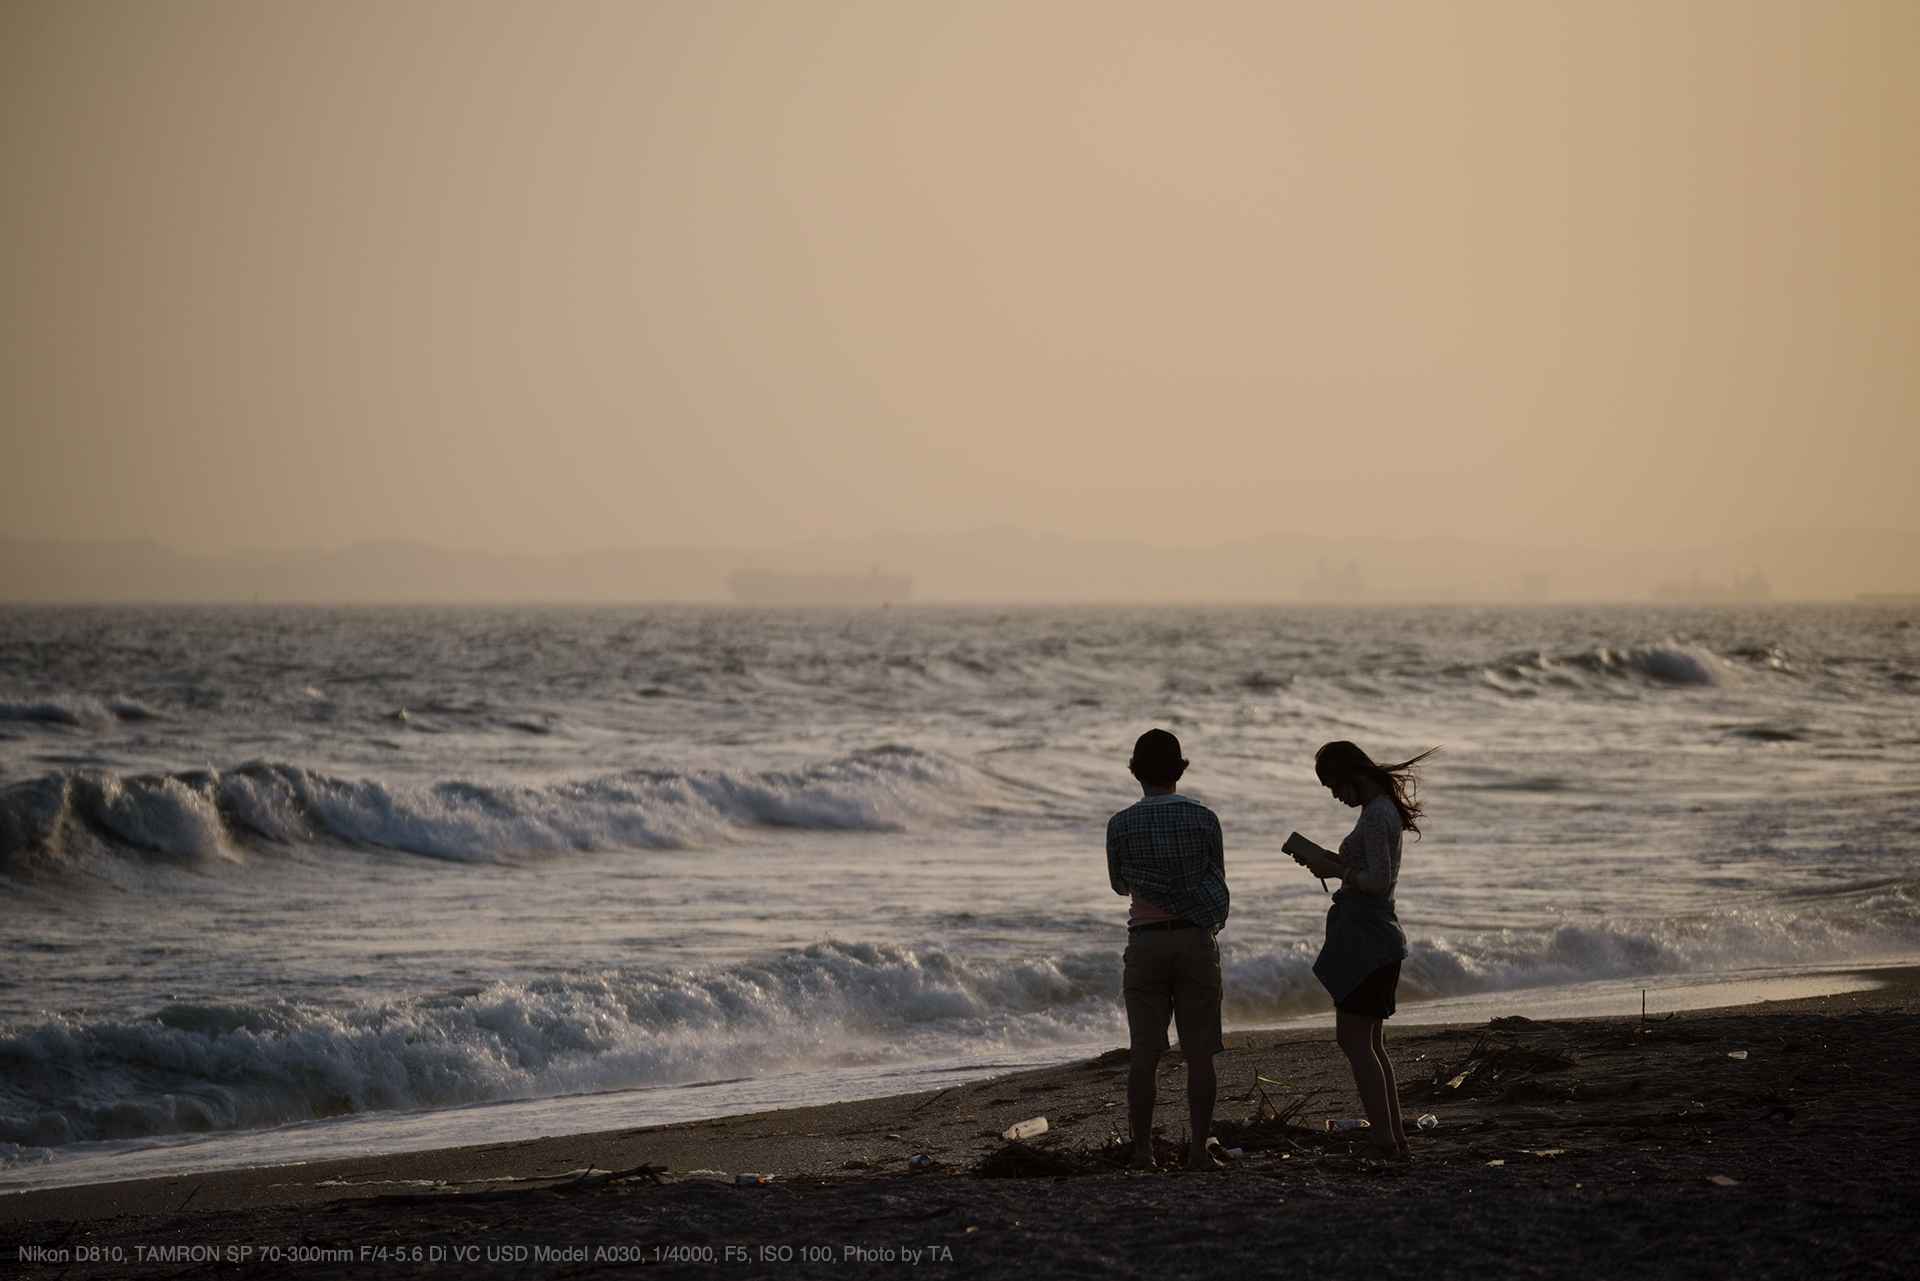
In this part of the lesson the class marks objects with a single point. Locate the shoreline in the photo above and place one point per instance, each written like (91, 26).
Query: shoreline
(1603, 999)
(1769, 1137)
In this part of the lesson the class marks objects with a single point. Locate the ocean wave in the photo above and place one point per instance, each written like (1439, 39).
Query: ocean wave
(85, 711)
(210, 815)
(1265, 985)
(197, 1068)
(1883, 924)
(1666, 665)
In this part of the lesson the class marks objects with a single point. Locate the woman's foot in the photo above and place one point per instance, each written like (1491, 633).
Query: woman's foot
(1376, 1150)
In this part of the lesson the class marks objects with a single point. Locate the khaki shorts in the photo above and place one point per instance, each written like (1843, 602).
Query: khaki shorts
(1173, 973)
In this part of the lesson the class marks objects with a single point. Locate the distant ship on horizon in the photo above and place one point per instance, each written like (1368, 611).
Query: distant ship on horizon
(1344, 586)
(1748, 588)
(765, 585)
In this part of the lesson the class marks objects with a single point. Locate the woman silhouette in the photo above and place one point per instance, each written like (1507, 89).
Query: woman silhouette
(1359, 964)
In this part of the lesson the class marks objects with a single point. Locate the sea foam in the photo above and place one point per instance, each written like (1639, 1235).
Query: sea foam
(196, 1067)
(200, 1067)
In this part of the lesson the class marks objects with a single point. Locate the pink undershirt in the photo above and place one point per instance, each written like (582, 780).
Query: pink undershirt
(1145, 913)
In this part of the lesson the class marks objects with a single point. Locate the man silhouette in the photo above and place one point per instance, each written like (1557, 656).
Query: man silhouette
(1165, 852)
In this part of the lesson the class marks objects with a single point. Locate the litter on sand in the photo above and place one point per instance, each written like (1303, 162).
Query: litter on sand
(1025, 1129)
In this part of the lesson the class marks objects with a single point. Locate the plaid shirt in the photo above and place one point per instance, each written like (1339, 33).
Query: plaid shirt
(1168, 850)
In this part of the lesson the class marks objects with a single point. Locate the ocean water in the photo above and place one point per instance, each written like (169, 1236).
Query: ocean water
(282, 884)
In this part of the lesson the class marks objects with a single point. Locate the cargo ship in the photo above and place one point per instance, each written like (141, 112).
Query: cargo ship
(874, 586)
(1751, 588)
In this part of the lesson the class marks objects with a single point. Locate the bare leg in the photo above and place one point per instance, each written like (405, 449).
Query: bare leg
(1140, 1099)
(1202, 1085)
(1356, 1034)
(1395, 1126)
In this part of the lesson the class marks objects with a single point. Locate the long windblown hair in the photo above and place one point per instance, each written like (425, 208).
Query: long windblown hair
(1340, 761)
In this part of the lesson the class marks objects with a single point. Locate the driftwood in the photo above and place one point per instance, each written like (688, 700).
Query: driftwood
(1498, 1064)
(591, 1181)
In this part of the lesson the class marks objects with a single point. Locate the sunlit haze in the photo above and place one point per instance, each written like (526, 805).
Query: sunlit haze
(544, 278)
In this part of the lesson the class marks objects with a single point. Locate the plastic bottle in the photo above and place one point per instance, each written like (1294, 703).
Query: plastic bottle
(1025, 1129)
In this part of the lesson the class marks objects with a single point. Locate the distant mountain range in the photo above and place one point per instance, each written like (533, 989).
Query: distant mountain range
(985, 565)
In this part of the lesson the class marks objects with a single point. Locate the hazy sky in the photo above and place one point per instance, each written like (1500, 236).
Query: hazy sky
(554, 276)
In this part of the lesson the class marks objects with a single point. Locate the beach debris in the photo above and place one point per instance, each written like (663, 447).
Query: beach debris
(752, 1180)
(1736, 1054)
(591, 1180)
(585, 1181)
(1723, 1181)
(1025, 1129)
(919, 1161)
(1271, 1125)
(1018, 1161)
(1347, 1123)
(1492, 1066)
(1428, 1122)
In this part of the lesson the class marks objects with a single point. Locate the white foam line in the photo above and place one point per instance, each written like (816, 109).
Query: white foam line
(1620, 998)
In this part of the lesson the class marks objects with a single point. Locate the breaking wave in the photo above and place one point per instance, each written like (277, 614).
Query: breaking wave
(1672, 665)
(82, 710)
(1264, 986)
(212, 815)
(197, 1068)
(203, 1067)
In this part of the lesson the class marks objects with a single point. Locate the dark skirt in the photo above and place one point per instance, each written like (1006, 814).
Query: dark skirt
(1373, 999)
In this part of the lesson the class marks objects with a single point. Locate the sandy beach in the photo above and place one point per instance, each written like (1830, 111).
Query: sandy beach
(1763, 1140)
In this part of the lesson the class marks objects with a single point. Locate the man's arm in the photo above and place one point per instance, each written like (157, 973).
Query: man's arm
(1114, 842)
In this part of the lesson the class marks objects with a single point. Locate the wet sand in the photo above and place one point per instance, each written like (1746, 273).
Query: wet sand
(1774, 1139)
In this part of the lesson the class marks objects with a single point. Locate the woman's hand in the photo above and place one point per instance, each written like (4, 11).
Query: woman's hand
(1324, 865)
